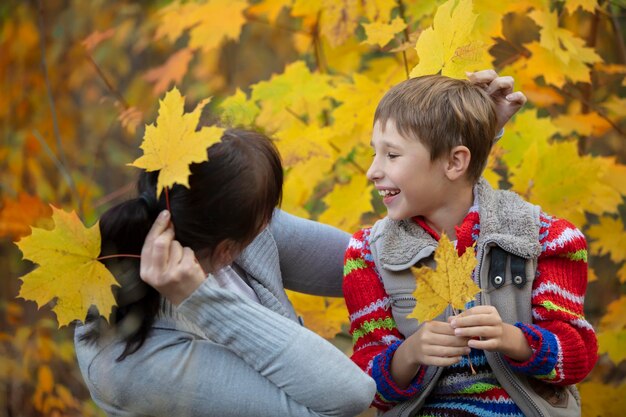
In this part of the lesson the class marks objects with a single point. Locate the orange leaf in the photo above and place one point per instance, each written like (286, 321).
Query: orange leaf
(16, 216)
(173, 70)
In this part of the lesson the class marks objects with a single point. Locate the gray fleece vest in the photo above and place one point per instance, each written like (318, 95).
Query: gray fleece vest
(507, 252)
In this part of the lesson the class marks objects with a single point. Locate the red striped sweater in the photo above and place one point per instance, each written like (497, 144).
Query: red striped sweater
(564, 344)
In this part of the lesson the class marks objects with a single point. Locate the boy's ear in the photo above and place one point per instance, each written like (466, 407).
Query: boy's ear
(458, 162)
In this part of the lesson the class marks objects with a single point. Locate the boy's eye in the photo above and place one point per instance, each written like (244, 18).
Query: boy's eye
(392, 155)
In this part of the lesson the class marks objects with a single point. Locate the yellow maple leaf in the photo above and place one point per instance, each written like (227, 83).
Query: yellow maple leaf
(450, 45)
(608, 237)
(324, 316)
(68, 268)
(347, 202)
(172, 143)
(449, 284)
(595, 185)
(380, 33)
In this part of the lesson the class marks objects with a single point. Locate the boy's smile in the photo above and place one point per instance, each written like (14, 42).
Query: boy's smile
(405, 177)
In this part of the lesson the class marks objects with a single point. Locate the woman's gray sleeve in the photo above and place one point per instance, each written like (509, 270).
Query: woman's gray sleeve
(307, 368)
(253, 362)
(310, 253)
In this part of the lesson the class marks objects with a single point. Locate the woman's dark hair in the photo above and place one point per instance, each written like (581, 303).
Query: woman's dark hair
(231, 196)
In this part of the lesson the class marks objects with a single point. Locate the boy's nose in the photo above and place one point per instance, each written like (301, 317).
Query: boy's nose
(373, 172)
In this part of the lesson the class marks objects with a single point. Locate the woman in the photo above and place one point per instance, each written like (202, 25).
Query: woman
(233, 347)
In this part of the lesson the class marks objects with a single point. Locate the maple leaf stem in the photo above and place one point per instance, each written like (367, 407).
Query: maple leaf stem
(121, 255)
(469, 359)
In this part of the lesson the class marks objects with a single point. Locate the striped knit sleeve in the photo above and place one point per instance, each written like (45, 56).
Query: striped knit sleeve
(375, 335)
(564, 344)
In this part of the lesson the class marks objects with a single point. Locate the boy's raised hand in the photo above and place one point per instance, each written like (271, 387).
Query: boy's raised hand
(166, 265)
(507, 101)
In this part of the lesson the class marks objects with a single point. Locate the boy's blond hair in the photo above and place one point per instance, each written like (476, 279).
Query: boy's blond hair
(442, 113)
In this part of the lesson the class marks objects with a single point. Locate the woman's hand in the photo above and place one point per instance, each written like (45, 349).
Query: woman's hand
(486, 330)
(168, 267)
(501, 91)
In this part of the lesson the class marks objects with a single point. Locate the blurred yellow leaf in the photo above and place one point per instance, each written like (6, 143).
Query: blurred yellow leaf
(449, 284)
(585, 124)
(608, 238)
(450, 46)
(68, 269)
(237, 110)
(208, 22)
(587, 5)
(346, 203)
(612, 342)
(602, 400)
(355, 114)
(379, 10)
(297, 189)
(339, 20)
(380, 33)
(45, 379)
(574, 185)
(322, 315)
(302, 142)
(526, 130)
(615, 317)
(172, 143)
(286, 98)
(268, 8)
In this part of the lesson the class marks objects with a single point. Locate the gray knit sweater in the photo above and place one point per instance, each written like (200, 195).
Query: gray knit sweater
(221, 354)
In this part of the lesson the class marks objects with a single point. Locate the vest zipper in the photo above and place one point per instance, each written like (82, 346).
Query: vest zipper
(504, 370)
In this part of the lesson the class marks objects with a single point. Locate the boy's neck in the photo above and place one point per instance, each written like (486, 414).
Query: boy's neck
(452, 213)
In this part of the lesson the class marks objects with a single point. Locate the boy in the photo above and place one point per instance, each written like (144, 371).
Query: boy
(526, 334)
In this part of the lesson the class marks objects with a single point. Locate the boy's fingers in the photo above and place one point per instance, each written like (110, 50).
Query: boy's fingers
(482, 77)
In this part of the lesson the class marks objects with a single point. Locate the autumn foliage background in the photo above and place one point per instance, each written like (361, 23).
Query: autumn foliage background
(81, 79)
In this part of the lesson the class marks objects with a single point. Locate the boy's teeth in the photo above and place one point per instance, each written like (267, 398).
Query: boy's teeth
(386, 193)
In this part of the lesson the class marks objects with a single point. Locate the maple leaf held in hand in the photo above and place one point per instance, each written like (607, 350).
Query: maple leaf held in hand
(450, 284)
(172, 143)
(68, 269)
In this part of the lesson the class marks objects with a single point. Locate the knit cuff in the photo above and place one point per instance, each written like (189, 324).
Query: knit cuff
(545, 351)
(386, 386)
